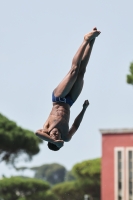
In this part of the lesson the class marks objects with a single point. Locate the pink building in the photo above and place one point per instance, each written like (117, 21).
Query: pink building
(117, 164)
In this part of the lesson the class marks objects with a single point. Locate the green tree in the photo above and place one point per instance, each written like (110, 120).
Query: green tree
(69, 176)
(90, 169)
(16, 188)
(55, 170)
(76, 190)
(15, 141)
(87, 182)
(130, 76)
(53, 173)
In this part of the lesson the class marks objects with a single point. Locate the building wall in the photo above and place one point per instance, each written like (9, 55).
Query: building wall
(109, 142)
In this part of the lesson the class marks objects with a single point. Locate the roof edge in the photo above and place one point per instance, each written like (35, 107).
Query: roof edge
(116, 131)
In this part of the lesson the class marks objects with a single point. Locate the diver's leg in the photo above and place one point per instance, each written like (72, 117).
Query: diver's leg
(78, 85)
(67, 83)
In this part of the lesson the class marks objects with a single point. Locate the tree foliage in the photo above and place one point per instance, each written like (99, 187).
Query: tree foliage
(130, 76)
(53, 173)
(90, 169)
(86, 175)
(51, 170)
(69, 176)
(68, 190)
(16, 188)
(14, 141)
(76, 190)
(88, 182)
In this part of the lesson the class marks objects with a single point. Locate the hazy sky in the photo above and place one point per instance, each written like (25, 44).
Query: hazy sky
(38, 40)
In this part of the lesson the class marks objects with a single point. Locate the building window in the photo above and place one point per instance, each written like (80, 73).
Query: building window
(119, 173)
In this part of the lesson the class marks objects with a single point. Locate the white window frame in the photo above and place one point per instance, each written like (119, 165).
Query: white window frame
(116, 150)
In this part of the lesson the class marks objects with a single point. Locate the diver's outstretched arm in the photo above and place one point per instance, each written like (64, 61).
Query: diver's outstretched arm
(78, 120)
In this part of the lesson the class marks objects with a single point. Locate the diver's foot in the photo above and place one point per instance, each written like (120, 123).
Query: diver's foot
(92, 35)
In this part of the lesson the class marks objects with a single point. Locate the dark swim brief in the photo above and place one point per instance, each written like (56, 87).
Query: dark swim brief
(67, 99)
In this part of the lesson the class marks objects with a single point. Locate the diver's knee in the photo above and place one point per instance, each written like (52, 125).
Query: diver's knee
(74, 70)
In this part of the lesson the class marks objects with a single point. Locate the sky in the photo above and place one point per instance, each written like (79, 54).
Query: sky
(38, 40)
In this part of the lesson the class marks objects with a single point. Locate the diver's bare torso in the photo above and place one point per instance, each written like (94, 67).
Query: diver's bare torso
(58, 118)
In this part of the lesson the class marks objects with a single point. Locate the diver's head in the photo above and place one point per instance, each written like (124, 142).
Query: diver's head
(53, 147)
(56, 135)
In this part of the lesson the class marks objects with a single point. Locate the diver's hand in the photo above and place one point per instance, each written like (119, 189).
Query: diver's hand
(86, 104)
(59, 143)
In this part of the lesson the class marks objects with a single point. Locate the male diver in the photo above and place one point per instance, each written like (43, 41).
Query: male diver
(56, 129)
